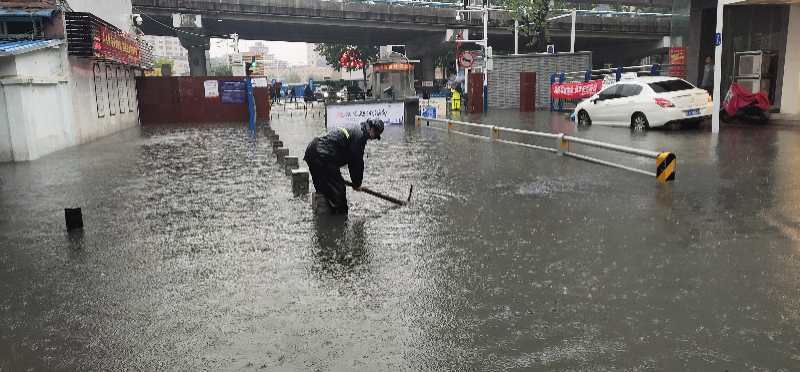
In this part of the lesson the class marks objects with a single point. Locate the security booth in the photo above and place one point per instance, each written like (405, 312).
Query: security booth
(393, 78)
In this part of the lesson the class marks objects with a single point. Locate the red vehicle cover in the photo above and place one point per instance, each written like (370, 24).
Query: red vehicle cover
(738, 98)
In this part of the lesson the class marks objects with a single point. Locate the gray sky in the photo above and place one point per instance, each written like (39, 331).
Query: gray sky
(294, 53)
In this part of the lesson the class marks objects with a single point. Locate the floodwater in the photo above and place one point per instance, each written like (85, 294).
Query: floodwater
(195, 255)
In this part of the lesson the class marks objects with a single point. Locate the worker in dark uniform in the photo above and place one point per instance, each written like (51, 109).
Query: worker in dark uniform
(341, 146)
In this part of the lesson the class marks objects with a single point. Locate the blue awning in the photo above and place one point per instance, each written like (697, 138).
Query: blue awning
(11, 12)
(15, 47)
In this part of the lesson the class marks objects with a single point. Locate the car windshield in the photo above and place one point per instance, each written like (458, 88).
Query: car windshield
(670, 86)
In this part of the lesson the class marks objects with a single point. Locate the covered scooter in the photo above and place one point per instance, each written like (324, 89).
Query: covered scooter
(752, 107)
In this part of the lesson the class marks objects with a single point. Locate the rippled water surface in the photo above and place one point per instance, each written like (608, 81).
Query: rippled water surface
(196, 255)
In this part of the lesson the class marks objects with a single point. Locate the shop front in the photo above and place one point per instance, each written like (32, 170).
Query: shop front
(68, 81)
(760, 42)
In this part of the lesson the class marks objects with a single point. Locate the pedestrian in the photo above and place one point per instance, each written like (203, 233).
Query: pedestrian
(308, 94)
(707, 80)
(291, 95)
(341, 146)
(455, 99)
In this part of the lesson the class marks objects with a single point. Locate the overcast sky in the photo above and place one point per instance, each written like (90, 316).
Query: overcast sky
(294, 53)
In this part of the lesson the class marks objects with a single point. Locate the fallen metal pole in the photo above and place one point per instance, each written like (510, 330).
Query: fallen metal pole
(665, 161)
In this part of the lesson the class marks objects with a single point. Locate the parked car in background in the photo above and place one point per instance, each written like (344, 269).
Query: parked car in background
(341, 95)
(323, 93)
(645, 102)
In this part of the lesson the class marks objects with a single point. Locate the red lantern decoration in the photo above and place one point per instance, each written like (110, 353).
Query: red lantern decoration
(351, 60)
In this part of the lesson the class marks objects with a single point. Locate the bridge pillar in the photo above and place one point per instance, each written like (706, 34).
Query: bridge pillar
(428, 67)
(198, 53)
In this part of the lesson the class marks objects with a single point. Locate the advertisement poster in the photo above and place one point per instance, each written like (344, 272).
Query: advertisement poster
(211, 88)
(575, 90)
(435, 107)
(341, 115)
(677, 58)
(260, 82)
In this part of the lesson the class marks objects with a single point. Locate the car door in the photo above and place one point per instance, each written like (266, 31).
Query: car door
(621, 108)
(600, 111)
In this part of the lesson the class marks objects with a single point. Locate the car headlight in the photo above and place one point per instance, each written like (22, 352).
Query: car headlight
(325, 95)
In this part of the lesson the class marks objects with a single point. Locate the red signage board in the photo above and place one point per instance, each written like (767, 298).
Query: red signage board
(383, 67)
(111, 45)
(677, 58)
(575, 90)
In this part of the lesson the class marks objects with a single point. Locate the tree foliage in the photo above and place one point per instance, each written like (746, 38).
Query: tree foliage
(532, 17)
(332, 51)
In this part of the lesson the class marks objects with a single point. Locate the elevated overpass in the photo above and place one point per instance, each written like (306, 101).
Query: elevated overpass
(420, 25)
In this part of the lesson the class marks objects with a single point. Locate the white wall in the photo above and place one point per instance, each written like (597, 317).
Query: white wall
(790, 97)
(103, 108)
(33, 118)
(116, 12)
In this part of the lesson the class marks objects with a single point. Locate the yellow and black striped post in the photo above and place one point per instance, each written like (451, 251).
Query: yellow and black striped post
(665, 166)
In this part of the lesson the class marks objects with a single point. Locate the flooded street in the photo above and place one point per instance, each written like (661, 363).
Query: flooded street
(196, 256)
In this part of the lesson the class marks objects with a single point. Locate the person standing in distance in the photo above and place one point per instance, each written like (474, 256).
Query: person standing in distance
(341, 146)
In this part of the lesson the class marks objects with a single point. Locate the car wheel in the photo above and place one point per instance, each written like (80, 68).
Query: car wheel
(639, 122)
(584, 119)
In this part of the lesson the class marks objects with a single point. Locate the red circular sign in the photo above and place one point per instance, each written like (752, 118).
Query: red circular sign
(466, 59)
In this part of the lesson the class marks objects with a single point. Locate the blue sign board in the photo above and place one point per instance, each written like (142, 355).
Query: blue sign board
(233, 91)
(717, 39)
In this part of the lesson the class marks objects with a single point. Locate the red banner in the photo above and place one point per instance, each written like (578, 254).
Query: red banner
(115, 46)
(575, 90)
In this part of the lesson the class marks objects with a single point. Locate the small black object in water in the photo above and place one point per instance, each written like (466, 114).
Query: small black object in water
(74, 218)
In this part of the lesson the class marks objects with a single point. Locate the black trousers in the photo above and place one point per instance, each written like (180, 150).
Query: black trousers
(327, 179)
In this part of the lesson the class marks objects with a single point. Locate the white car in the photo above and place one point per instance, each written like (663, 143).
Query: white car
(645, 102)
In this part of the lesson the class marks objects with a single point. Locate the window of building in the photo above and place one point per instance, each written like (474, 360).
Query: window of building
(111, 88)
(21, 27)
(132, 100)
(122, 88)
(99, 91)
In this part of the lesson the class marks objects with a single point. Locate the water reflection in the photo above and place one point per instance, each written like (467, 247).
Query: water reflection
(339, 245)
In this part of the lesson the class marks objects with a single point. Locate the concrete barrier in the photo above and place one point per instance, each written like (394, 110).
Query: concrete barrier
(291, 163)
(299, 181)
(281, 154)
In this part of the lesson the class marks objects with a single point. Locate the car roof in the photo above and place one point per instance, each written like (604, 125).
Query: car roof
(649, 79)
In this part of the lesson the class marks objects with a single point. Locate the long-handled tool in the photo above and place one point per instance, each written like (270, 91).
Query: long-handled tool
(382, 196)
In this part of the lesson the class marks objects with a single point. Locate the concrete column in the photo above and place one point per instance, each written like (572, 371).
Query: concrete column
(198, 53)
(790, 94)
(428, 67)
(299, 182)
(281, 154)
(291, 163)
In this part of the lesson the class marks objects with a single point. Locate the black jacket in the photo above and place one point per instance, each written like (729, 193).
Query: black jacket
(345, 146)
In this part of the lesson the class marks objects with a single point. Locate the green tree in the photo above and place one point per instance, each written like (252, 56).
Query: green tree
(532, 17)
(222, 70)
(163, 61)
(332, 51)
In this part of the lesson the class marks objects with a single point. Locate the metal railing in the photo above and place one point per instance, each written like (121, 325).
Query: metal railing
(665, 161)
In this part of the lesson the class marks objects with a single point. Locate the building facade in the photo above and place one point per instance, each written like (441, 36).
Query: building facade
(765, 27)
(168, 47)
(70, 82)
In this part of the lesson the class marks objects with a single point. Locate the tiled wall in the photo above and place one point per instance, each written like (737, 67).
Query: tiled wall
(504, 78)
